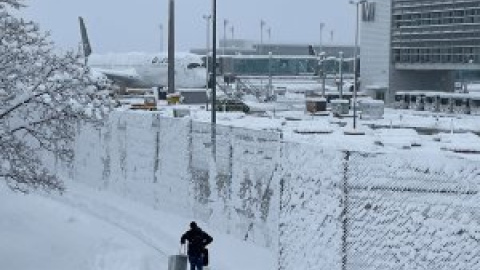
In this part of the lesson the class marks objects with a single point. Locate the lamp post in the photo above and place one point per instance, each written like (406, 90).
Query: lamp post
(171, 47)
(225, 23)
(321, 60)
(207, 18)
(262, 24)
(355, 75)
(232, 30)
(269, 32)
(214, 78)
(161, 37)
(322, 25)
(340, 71)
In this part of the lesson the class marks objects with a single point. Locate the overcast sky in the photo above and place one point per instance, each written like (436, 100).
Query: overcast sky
(126, 25)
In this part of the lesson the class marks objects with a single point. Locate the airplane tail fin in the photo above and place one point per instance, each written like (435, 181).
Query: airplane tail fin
(311, 50)
(87, 49)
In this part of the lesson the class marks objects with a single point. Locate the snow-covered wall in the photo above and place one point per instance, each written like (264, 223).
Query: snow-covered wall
(166, 163)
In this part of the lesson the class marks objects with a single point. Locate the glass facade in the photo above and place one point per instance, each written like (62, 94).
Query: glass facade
(280, 65)
(436, 31)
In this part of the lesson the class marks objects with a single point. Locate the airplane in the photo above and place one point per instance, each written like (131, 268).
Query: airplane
(143, 70)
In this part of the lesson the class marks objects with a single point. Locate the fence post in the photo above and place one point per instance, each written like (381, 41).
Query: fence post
(156, 163)
(345, 211)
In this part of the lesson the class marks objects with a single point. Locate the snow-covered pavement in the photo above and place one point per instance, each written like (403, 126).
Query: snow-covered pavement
(94, 230)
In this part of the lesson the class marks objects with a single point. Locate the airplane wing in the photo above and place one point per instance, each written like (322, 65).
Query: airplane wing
(122, 77)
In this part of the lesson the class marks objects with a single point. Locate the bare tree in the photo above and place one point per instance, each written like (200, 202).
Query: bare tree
(43, 96)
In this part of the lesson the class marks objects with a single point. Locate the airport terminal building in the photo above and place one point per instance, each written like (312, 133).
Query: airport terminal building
(418, 45)
(248, 58)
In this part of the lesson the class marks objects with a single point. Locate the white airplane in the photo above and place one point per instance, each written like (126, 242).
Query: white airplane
(142, 70)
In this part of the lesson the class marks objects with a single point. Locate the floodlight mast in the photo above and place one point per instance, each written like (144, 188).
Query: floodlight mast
(355, 71)
(171, 47)
(214, 78)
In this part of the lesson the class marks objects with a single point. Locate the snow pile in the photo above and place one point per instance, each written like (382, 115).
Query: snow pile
(460, 143)
(315, 127)
(398, 138)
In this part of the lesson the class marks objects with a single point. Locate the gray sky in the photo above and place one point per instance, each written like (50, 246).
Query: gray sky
(125, 25)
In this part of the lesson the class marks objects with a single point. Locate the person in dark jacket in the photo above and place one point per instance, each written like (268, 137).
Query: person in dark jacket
(197, 241)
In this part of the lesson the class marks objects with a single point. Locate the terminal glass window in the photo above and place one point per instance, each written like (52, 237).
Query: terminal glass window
(435, 31)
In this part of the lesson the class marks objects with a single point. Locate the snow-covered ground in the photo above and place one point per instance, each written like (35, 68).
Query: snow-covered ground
(87, 229)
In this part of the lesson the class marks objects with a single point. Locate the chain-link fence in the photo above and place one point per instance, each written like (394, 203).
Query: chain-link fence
(167, 163)
(359, 211)
(318, 207)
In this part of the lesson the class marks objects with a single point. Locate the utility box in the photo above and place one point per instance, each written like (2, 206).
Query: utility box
(340, 106)
(316, 104)
(372, 109)
(174, 98)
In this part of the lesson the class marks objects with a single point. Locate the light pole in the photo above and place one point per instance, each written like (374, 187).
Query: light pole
(207, 18)
(322, 25)
(340, 71)
(262, 24)
(171, 47)
(321, 61)
(324, 74)
(269, 32)
(225, 23)
(232, 30)
(161, 37)
(355, 58)
(214, 78)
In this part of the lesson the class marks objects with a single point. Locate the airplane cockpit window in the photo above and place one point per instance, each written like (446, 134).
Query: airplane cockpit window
(193, 65)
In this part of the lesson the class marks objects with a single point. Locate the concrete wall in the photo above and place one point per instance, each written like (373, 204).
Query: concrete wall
(375, 48)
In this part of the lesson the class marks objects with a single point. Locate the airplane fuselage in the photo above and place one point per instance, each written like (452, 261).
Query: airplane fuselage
(139, 70)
